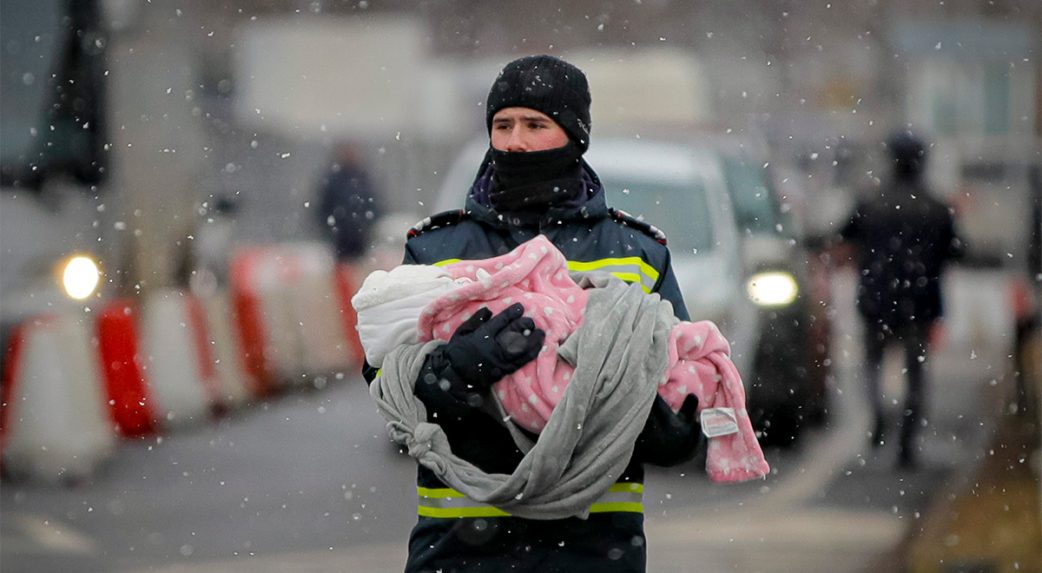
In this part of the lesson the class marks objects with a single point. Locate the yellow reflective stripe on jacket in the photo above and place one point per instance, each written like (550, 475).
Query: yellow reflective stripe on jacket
(447, 503)
(628, 269)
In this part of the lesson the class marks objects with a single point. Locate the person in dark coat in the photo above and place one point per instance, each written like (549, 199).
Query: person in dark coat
(534, 181)
(349, 204)
(903, 239)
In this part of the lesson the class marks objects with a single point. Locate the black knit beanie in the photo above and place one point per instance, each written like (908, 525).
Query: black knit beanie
(547, 84)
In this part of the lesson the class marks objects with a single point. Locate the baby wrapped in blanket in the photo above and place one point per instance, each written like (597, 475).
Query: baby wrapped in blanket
(417, 303)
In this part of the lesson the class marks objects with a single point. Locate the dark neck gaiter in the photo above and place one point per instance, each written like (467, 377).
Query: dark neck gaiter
(536, 180)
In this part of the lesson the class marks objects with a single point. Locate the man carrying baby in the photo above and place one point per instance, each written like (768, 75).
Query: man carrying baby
(533, 181)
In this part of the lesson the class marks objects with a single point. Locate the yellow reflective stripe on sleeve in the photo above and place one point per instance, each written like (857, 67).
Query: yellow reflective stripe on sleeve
(446, 262)
(438, 493)
(447, 503)
(618, 507)
(461, 512)
(627, 486)
(621, 497)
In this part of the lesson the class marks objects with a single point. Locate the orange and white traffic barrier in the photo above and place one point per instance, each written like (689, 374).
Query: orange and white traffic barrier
(248, 320)
(267, 332)
(177, 359)
(388, 243)
(234, 385)
(313, 299)
(347, 283)
(54, 424)
(129, 397)
(287, 313)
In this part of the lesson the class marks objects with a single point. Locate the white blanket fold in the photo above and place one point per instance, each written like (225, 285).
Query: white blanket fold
(389, 302)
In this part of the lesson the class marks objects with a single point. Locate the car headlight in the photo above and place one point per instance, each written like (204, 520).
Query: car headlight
(80, 276)
(772, 289)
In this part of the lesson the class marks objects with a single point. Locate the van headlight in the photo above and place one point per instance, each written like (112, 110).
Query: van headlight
(80, 276)
(772, 289)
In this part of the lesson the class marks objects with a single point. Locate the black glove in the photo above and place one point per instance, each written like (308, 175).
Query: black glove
(483, 349)
(486, 348)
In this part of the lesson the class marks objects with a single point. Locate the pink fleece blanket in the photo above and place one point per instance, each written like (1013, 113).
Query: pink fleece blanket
(536, 274)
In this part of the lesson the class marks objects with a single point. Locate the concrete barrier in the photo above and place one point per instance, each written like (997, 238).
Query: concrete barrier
(235, 387)
(177, 360)
(129, 397)
(54, 425)
(263, 318)
(288, 312)
(312, 294)
(347, 281)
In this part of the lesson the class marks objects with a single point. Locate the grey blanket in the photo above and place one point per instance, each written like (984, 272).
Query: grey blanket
(620, 355)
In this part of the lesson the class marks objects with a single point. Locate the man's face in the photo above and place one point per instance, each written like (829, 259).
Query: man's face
(524, 129)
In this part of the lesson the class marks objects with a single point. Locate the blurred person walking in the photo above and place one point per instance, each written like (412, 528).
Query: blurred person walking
(349, 204)
(903, 238)
(533, 181)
